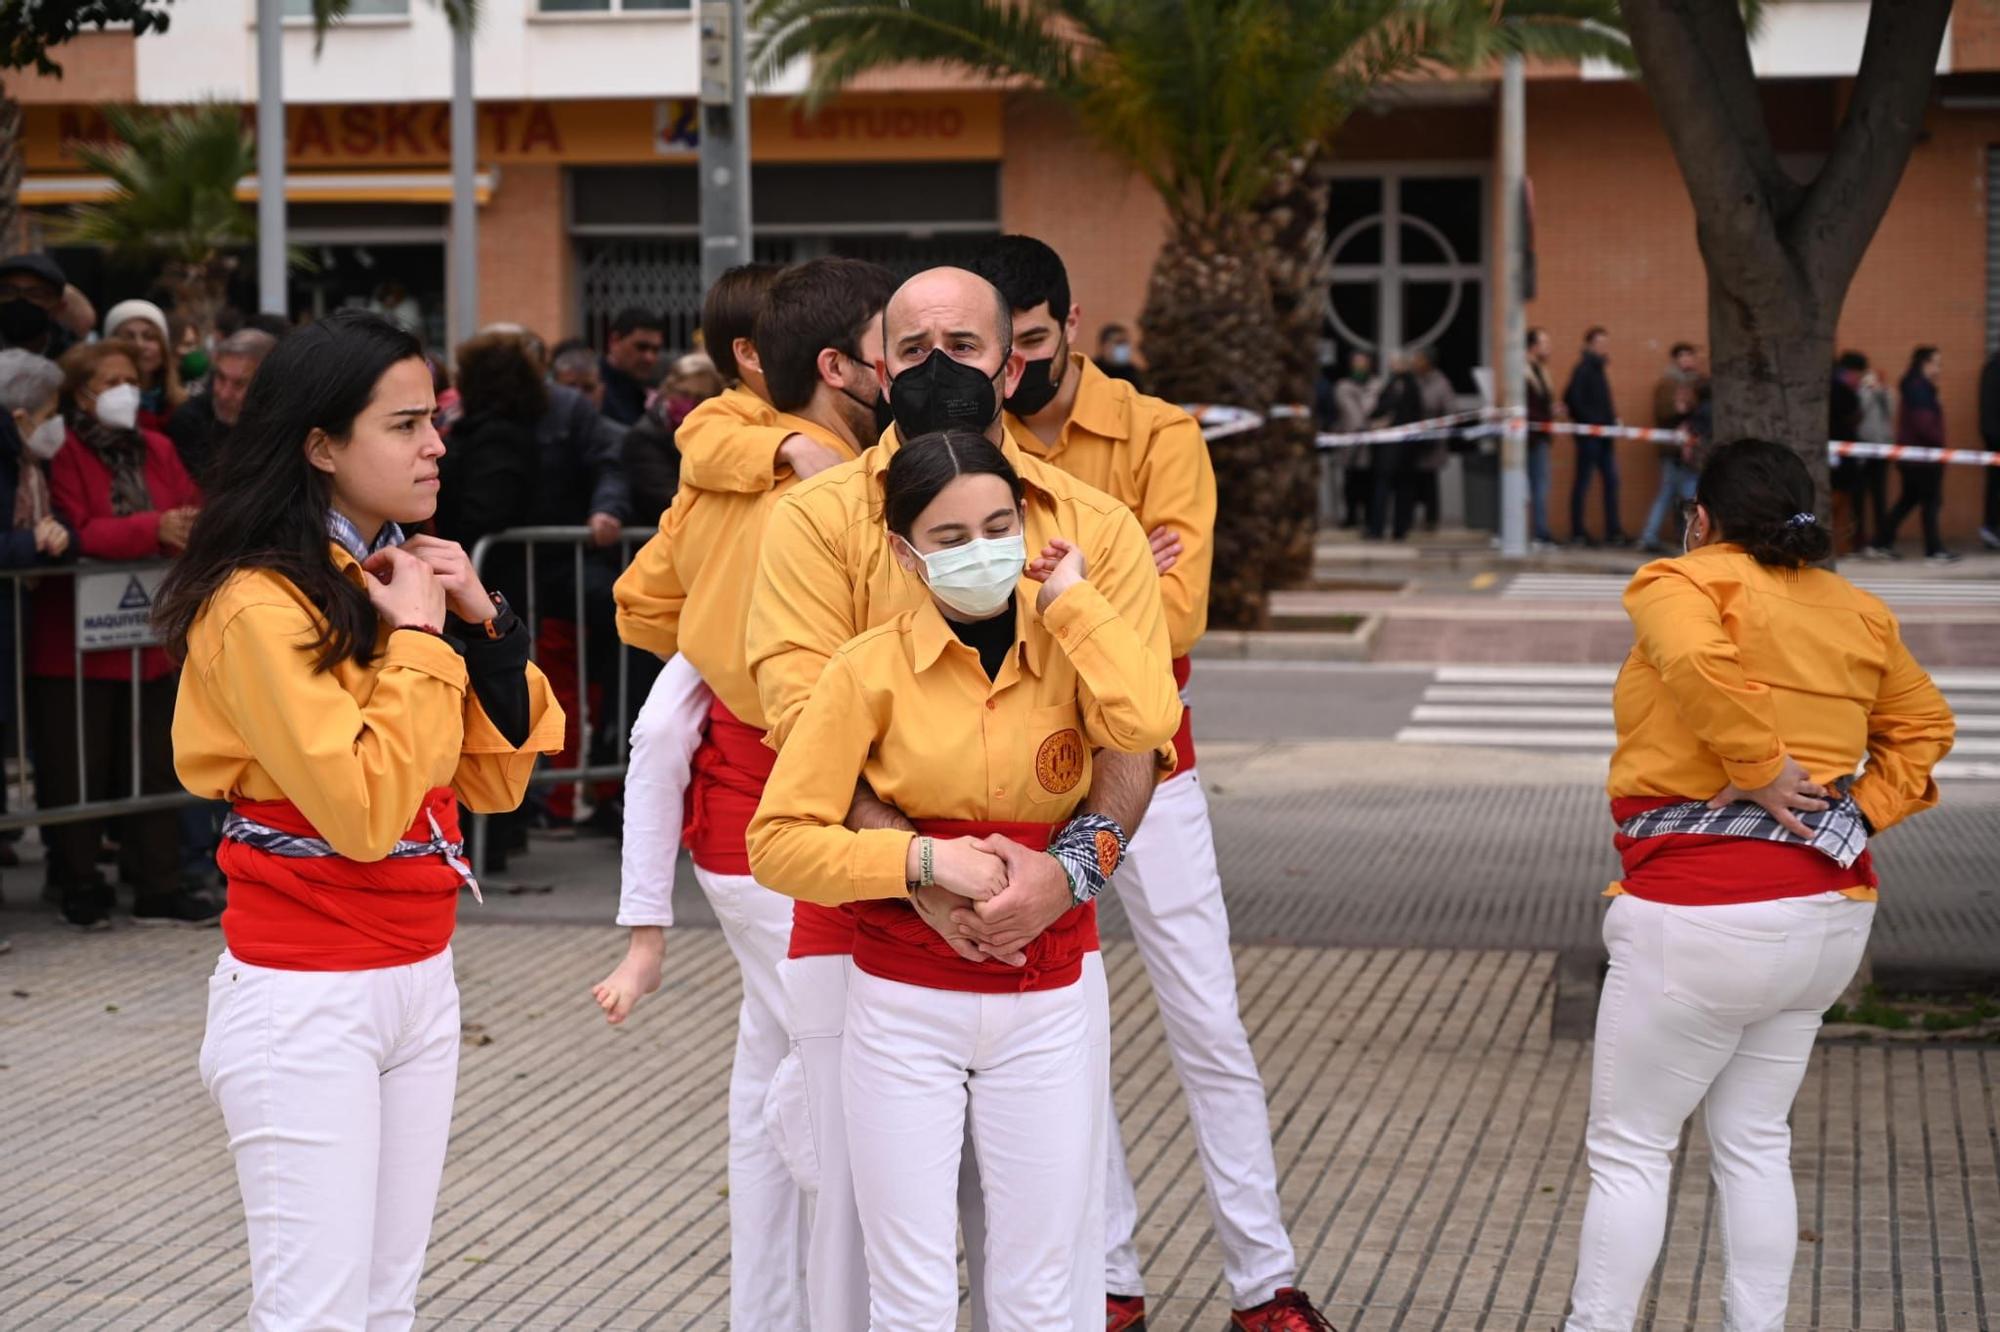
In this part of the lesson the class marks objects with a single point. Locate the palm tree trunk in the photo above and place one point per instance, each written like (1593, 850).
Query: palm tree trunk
(1291, 223)
(11, 239)
(1211, 338)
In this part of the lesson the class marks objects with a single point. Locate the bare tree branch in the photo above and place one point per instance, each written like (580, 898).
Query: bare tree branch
(1885, 113)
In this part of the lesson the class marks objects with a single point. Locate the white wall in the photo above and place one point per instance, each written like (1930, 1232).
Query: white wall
(518, 53)
(1803, 39)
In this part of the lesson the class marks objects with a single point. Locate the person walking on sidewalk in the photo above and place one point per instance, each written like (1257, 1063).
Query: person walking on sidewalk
(345, 689)
(1354, 403)
(1920, 422)
(1542, 407)
(1588, 399)
(1756, 687)
(1149, 455)
(1989, 435)
(977, 684)
(1674, 399)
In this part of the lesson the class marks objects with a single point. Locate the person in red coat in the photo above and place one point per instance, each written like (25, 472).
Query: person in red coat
(124, 493)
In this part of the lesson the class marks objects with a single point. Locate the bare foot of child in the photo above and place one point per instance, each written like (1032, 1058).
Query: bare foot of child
(634, 978)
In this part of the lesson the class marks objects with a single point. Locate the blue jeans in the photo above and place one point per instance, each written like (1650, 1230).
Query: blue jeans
(1538, 491)
(1676, 484)
(1596, 455)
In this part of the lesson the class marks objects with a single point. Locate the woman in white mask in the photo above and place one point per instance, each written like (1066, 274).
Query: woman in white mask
(975, 715)
(122, 491)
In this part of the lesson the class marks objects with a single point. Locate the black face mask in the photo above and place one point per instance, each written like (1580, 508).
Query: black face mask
(884, 418)
(1038, 387)
(943, 394)
(21, 320)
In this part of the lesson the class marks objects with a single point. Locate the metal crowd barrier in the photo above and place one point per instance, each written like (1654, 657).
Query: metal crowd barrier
(114, 603)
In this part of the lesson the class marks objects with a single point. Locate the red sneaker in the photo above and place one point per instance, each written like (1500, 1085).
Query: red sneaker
(1287, 1311)
(1124, 1313)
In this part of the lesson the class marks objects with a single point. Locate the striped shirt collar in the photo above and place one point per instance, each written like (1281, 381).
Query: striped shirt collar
(348, 536)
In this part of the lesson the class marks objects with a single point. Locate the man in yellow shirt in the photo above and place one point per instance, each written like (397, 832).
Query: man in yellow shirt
(1150, 455)
(827, 574)
(688, 591)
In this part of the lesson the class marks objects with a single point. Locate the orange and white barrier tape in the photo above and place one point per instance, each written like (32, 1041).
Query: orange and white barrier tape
(1848, 448)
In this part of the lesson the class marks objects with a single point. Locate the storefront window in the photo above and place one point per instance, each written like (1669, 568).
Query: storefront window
(299, 9)
(608, 6)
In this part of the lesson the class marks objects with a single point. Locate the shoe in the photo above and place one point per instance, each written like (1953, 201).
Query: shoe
(607, 820)
(1618, 541)
(1582, 541)
(1875, 554)
(1652, 548)
(1989, 538)
(1124, 1313)
(1287, 1311)
(88, 906)
(7, 946)
(184, 907)
(1942, 557)
(1541, 546)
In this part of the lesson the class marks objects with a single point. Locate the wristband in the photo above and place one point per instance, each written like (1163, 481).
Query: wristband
(926, 863)
(1090, 848)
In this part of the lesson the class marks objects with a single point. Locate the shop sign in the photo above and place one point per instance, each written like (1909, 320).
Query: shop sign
(115, 610)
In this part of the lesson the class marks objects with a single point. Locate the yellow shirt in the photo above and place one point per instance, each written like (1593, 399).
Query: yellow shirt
(688, 588)
(827, 572)
(730, 443)
(1736, 665)
(908, 708)
(355, 748)
(1149, 454)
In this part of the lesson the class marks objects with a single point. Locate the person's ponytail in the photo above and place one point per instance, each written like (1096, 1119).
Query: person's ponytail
(1760, 495)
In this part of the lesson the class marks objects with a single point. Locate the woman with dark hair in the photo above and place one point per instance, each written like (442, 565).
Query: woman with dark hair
(122, 490)
(345, 688)
(975, 715)
(1920, 421)
(1757, 685)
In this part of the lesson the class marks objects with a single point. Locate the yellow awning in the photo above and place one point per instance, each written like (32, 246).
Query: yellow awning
(432, 187)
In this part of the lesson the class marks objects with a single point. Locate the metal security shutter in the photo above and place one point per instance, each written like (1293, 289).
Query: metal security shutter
(1993, 249)
(663, 275)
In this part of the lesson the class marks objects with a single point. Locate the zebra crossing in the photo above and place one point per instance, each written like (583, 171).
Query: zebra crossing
(1896, 592)
(1568, 708)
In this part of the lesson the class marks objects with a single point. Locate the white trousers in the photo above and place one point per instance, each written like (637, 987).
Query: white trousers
(1714, 1006)
(1090, 1224)
(665, 735)
(917, 1066)
(766, 1211)
(1172, 896)
(336, 1088)
(811, 1128)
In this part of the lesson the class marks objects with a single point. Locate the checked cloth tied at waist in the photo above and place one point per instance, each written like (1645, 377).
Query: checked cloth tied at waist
(1838, 832)
(293, 846)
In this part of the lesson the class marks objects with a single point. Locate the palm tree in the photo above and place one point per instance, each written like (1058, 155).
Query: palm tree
(174, 199)
(1227, 108)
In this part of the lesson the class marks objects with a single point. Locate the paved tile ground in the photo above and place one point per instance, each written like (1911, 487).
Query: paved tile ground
(1428, 1128)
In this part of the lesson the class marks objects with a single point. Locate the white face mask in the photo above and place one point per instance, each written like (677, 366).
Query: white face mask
(46, 439)
(119, 407)
(977, 578)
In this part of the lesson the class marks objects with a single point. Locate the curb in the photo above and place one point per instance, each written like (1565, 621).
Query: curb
(1357, 644)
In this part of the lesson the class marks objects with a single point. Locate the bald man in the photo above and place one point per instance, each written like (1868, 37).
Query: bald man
(826, 573)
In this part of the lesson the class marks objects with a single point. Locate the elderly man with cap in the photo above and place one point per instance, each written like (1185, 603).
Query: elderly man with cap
(204, 421)
(32, 288)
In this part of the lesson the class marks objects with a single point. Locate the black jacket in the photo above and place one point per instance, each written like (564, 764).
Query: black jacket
(652, 469)
(624, 396)
(1843, 410)
(1989, 404)
(17, 552)
(1588, 396)
(490, 471)
(197, 435)
(580, 471)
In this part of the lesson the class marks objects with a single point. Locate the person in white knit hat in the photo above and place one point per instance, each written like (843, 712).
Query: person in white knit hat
(144, 325)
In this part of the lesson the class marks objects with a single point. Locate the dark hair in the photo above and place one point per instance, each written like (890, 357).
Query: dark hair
(275, 324)
(1680, 347)
(1594, 332)
(1110, 330)
(633, 318)
(266, 504)
(497, 377)
(1534, 334)
(568, 345)
(729, 312)
(927, 464)
(1852, 360)
(1027, 272)
(1917, 359)
(809, 307)
(1755, 491)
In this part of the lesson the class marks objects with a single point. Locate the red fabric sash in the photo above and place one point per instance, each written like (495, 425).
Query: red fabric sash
(1184, 738)
(330, 913)
(1700, 869)
(892, 941)
(730, 769)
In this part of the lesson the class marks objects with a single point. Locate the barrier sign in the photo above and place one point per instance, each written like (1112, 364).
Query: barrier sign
(115, 610)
